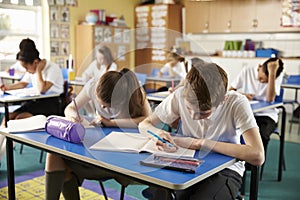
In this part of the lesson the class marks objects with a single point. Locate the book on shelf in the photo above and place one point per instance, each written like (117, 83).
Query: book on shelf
(135, 143)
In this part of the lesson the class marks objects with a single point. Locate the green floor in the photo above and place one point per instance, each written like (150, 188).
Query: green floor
(269, 188)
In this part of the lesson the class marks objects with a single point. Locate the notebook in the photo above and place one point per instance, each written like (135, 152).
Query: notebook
(135, 143)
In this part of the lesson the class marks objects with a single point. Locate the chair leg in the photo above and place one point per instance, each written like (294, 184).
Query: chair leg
(103, 190)
(261, 171)
(21, 148)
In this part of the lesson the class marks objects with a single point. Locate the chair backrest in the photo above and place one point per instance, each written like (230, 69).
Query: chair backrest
(279, 98)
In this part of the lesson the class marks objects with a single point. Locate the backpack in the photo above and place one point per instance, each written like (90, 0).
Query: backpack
(296, 112)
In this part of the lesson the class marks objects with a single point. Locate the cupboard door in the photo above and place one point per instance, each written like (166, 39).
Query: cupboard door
(243, 16)
(268, 14)
(197, 17)
(84, 46)
(220, 16)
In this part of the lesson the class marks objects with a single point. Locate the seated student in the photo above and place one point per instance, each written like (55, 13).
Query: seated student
(210, 117)
(44, 75)
(262, 83)
(102, 63)
(175, 67)
(119, 102)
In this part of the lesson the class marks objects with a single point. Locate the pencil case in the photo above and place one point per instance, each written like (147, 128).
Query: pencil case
(64, 129)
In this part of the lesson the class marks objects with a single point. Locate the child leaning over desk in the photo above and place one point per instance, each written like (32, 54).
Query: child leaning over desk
(44, 76)
(210, 117)
(262, 83)
(119, 102)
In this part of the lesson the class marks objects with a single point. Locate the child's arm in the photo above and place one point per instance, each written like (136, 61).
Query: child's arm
(271, 91)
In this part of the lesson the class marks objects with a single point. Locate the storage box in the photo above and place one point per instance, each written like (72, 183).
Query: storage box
(267, 53)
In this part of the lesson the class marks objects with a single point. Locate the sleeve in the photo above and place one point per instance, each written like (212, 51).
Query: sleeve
(278, 82)
(168, 110)
(89, 88)
(26, 78)
(165, 68)
(243, 114)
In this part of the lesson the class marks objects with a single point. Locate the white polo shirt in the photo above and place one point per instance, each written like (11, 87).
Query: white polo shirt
(247, 82)
(226, 123)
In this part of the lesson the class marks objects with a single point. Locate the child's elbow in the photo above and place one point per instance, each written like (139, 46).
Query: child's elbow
(259, 158)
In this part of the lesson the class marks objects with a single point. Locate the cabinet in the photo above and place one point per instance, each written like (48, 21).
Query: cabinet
(89, 36)
(157, 28)
(235, 16)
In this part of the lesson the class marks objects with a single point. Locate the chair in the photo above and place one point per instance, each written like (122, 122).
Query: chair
(281, 162)
(293, 79)
(141, 77)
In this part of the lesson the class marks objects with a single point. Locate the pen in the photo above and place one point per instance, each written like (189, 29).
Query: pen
(161, 139)
(76, 108)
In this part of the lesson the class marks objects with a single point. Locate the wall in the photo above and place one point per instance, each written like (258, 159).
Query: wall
(117, 7)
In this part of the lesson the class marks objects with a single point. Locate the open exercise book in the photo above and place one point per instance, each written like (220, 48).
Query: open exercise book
(135, 143)
(24, 92)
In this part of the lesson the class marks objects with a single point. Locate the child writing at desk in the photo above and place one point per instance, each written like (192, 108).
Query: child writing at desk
(262, 83)
(210, 117)
(176, 66)
(119, 102)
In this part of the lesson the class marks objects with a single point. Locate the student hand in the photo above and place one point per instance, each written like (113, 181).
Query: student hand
(273, 66)
(171, 89)
(164, 146)
(97, 121)
(186, 142)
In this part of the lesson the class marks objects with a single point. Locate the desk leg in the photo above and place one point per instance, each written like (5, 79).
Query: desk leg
(282, 138)
(10, 169)
(254, 183)
(6, 113)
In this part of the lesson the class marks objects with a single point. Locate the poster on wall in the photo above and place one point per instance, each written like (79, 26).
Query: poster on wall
(71, 2)
(60, 2)
(65, 48)
(54, 46)
(54, 30)
(53, 13)
(64, 14)
(64, 31)
(290, 13)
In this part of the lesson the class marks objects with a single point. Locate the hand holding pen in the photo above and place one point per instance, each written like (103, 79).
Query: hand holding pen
(163, 143)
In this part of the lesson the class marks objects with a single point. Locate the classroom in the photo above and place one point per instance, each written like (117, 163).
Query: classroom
(73, 72)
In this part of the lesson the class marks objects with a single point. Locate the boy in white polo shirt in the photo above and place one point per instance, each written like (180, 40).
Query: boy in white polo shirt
(262, 83)
(210, 117)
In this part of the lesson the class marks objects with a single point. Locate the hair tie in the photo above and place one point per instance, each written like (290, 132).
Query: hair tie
(122, 72)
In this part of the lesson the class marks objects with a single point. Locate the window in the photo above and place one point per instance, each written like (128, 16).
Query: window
(19, 19)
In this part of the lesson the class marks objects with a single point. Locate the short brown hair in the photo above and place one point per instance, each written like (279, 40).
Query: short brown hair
(206, 84)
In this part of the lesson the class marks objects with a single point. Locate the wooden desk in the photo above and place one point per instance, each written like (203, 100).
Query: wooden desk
(126, 164)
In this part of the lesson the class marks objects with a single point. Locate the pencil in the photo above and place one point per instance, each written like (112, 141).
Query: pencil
(76, 108)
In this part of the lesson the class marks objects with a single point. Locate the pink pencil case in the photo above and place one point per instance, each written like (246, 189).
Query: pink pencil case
(64, 129)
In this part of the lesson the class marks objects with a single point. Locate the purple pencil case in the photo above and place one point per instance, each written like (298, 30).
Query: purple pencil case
(64, 129)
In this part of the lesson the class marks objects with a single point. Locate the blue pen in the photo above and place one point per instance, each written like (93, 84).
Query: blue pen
(161, 139)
